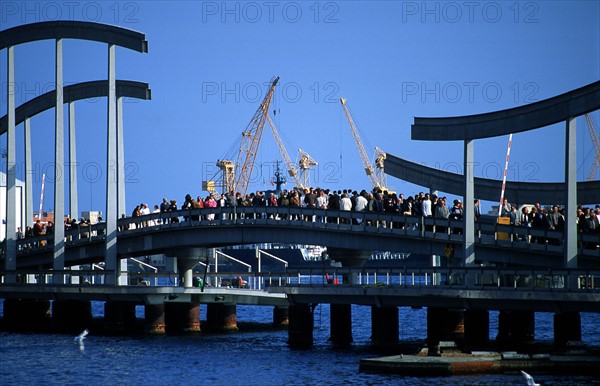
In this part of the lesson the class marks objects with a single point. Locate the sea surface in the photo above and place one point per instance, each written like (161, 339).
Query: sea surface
(255, 355)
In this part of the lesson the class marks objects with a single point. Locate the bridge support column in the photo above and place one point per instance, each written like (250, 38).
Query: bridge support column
(340, 317)
(27, 315)
(477, 328)
(181, 318)
(119, 317)
(281, 316)
(300, 330)
(444, 324)
(515, 328)
(349, 257)
(221, 317)
(154, 321)
(72, 316)
(567, 327)
(384, 325)
(187, 259)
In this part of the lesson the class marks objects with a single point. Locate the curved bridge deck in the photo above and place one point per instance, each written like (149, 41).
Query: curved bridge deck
(174, 232)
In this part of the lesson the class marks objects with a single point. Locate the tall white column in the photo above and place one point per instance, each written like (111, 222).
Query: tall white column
(28, 176)
(73, 200)
(570, 245)
(468, 211)
(120, 159)
(10, 263)
(111, 175)
(59, 173)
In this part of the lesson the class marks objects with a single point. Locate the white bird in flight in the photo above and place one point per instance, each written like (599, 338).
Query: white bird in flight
(529, 378)
(79, 339)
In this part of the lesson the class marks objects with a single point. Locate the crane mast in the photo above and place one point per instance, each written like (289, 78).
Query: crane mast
(250, 142)
(596, 143)
(292, 172)
(377, 178)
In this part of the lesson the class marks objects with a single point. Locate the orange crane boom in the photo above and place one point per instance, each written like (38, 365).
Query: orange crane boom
(250, 142)
(596, 143)
(377, 177)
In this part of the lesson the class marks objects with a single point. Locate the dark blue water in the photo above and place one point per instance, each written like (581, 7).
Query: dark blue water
(249, 357)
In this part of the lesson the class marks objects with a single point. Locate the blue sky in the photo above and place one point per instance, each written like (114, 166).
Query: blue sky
(209, 63)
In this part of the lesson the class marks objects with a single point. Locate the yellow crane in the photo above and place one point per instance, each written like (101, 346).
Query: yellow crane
(596, 143)
(236, 176)
(376, 175)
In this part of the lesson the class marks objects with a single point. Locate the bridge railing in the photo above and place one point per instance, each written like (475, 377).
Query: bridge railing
(479, 278)
(490, 233)
(492, 278)
(487, 233)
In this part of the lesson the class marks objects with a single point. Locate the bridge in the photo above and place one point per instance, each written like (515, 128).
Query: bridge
(516, 270)
(187, 233)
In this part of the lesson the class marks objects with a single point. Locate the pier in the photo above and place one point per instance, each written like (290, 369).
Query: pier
(48, 281)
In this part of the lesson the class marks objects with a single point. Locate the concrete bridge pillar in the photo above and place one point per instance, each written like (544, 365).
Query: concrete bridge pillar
(301, 324)
(384, 325)
(477, 328)
(444, 324)
(119, 317)
(567, 327)
(221, 317)
(352, 258)
(187, 259)
(349, 257)
(72, 316)
(27, 315)
(340, 316)
(182, 317)
(154, 321)
(515, 328)
(281, 316)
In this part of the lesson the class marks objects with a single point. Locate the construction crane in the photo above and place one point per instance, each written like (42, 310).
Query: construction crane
(236, 176)
(305, 163)
(376, 175)
(595, 136)
(291, 169)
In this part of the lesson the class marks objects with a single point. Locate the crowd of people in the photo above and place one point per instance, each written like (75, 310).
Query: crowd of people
(420, 205)
(552, 218)
(376, 201)
(423, 204)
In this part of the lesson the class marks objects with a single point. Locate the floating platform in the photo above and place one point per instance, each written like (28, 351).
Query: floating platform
(481, 363)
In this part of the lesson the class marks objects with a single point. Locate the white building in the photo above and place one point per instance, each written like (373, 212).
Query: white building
(20, 209)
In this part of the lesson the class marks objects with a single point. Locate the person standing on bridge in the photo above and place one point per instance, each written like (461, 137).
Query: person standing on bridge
(345, 205)
(210, 203)
(144, 210)
(273, 203)
(173, 208)
(361, 205)
(426, 206)
(164, 208)
(441, 212)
